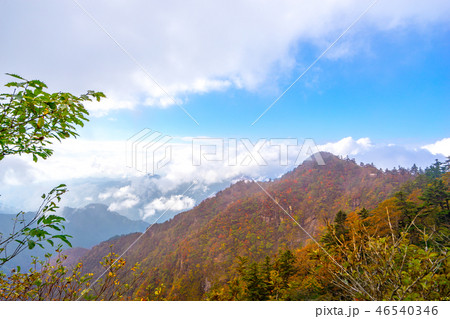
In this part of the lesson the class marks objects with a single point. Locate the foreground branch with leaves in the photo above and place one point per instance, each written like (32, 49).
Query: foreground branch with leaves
(55, 281)
(30, 117)
(30, 120)
(390, 267)
(39, 229)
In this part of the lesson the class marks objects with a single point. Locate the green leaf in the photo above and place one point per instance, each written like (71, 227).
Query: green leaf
(63, 238)
(15, 76)
(31, 244)
(12, 84)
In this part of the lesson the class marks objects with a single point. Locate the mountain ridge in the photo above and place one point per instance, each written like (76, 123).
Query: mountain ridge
(197, 247)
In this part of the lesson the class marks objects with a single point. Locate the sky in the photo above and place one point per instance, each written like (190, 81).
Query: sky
(192, 70)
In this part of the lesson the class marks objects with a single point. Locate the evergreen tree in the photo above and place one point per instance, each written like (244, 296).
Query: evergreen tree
(339, 225)
(435, 171)
(437, 194)
(409, 210)
(266, 269)
(363, 213)
(285, 265)
(447, 165)
(254, 284)
(414, 170)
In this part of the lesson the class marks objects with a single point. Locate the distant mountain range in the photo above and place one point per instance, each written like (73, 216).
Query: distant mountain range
(127, 196)
(196, 249)
(94, 223)
(88, 226)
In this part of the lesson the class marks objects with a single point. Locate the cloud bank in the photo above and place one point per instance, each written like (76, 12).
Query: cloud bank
(97, 171)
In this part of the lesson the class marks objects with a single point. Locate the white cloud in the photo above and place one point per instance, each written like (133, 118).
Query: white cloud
(116, 193)
(123, 192)
(385, 155)
(15, 170)
(122, 205)
(174, 203)
(124, 198)
(78, 158)
(104, 196)
(190, 47)
(102, 108)
(347, 146)
(439, 147)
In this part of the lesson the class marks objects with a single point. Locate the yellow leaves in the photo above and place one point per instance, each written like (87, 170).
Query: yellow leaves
(40, 122)
(136, 267)
(59, 282)
(84, 292)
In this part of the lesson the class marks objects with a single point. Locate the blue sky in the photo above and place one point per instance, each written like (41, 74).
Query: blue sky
(380, 94)
(396, 90)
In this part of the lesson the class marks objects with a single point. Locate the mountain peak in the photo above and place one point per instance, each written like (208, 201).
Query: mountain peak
(243, 220)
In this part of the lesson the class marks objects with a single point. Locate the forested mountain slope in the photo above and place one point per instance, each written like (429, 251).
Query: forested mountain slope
(197, 248)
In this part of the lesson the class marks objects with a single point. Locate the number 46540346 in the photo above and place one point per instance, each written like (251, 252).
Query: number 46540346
(407, 310)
